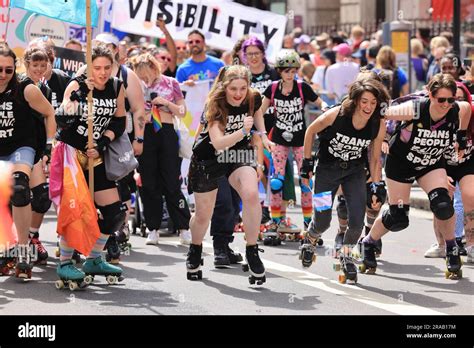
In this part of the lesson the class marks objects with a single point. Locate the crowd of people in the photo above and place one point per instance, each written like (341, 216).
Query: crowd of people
(374, 139)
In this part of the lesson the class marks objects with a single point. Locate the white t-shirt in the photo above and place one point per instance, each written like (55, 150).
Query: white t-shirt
(339, 76)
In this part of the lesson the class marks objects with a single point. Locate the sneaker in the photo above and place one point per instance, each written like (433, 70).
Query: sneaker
(435, 251)
(153, 237)
(185, 237)
(286, 226)
(470, 254)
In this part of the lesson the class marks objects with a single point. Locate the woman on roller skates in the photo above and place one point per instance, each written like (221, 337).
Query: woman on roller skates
(109, 123)
(223, 149)
(345, 133)
(417, 148)
(19, 101)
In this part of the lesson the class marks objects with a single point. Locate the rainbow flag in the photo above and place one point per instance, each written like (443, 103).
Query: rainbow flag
(156, 118)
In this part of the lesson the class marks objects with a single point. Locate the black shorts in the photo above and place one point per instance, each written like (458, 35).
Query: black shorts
(204, 175)
(101, 182)
(400, 170)
(460, 171)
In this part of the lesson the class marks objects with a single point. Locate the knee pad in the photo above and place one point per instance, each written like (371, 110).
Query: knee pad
(440, 203)
(396, 217)
(276, 183)
(21, 190)
(113, 216)
(124, 190)
(341, 207)
(304, 188)
(40, 203)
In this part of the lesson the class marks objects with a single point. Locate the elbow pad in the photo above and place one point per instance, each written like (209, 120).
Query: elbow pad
(117, 126)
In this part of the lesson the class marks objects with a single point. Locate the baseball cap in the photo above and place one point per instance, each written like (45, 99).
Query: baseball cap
(107, 38)
(343, 49)
(303, 39)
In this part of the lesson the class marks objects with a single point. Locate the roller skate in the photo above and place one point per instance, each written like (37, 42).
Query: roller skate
(98, 266)
(254, 265)
(23, 263)
(123, 237)
(346, 265)
(462, 248)
(113, 250)
(7, 263)
(194, 261)
(38, 250)
(369, 261)
(287, 227)
(270, 236)
(453, 263)
(308, 249)
(69, 276)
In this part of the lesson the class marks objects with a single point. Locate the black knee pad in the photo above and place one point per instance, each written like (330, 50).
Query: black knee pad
(40, 203)
(396, 217)
(440, 203)
(113, 216)
(21, 190)
(124, 190)
(341, 207)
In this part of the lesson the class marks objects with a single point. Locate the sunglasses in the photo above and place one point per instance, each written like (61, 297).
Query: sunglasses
(165, 58)
(8, 71)
(197, 42)
(450, 100)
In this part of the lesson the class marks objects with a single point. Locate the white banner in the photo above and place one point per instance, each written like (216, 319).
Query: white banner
(222, 23)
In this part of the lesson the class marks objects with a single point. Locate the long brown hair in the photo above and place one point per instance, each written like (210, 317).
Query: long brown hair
(366, 82)
(216, 100)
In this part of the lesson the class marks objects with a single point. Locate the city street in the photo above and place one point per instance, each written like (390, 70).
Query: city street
(155, 282)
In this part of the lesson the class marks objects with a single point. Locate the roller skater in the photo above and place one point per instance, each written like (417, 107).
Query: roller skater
(69, 276)
(97, 266)
(225, 129)
(194, 261)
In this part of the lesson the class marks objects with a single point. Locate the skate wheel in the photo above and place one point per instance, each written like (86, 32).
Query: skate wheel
(73, 286)
(88, 279)
(320, 242)
(111, 279)
(342, 278)
(59, 284)
(362, 268)
(266, 241)
(245, 268)
(202, 262)
(199, 275)
(251, 280)
(57, 252)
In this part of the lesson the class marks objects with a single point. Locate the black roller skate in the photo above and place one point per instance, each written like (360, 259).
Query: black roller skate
(453, 263)
(122, 237)
(308, 249)
(113, 250)
(346, 265)
(23, 262)
(369, 261)
(271, 236)
(70, 276)
(254, 265)
(194, 261)
(40, 255)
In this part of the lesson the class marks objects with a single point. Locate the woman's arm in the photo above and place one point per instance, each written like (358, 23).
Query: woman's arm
(375, 164)
(400, 112)
(119, 118)
(265, 105)
(178, 108)
(221, 141)
(39, 103)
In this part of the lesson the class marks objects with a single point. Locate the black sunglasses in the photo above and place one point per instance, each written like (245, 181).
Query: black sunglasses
(7, 70)
(450, 100)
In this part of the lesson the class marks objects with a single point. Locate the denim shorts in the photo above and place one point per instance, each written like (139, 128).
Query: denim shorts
(22, 155)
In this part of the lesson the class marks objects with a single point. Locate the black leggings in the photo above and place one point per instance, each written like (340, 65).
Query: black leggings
(160, 170)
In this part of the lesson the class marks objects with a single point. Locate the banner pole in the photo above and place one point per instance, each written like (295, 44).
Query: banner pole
(90, 116)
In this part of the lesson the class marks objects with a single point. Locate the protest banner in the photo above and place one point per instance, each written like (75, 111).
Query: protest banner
(69, 61)
(222, 23)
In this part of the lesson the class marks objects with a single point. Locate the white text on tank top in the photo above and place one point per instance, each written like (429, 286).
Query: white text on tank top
(104, 110)
(347, 148)
(289, 115)
(428, 146)
(451, 156)
(7, 120)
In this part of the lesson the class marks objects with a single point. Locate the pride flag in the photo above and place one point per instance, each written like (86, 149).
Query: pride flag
(156, 118)
(71, 11)
(8, 236)
(77, 215)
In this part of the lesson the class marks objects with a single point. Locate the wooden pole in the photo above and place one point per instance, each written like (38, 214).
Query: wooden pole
(90, 116)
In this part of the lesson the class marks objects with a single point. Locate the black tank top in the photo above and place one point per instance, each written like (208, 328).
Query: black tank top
(17, 123)
(105, 105)
(429, 140)
(342, 142)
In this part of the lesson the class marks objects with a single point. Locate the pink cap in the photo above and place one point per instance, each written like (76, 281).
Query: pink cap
(343, 49)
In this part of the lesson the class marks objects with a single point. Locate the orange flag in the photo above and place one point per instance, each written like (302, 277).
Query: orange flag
(77, 215)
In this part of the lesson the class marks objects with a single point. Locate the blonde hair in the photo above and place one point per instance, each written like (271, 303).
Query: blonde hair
(386, 58)
(416, 47)
(307, 70)
(146, 60)
(357, 31)
(439, 41)
(216, 100)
